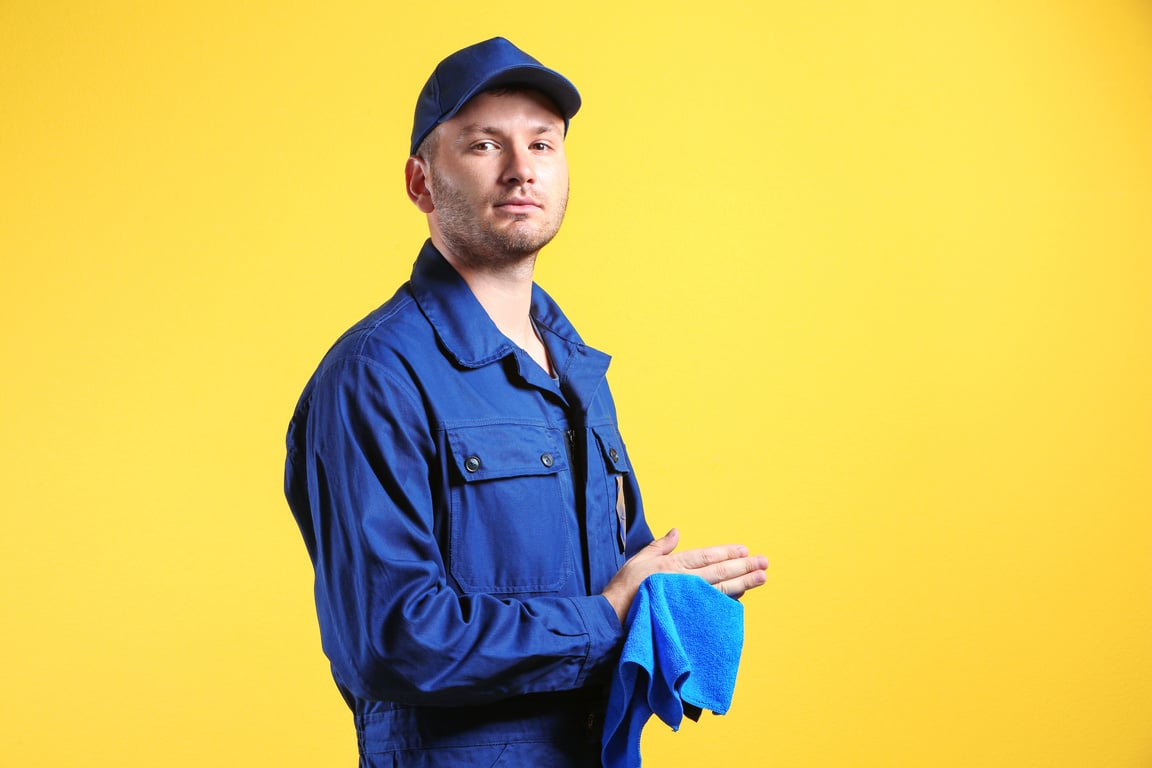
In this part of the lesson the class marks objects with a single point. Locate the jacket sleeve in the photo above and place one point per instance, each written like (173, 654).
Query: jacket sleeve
(392, 626)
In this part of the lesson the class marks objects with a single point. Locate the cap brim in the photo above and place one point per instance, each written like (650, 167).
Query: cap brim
(552, 84)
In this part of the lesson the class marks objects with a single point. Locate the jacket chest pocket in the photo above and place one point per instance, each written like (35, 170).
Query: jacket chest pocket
(511, 504)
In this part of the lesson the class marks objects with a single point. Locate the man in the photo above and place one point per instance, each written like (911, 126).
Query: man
(456, 468)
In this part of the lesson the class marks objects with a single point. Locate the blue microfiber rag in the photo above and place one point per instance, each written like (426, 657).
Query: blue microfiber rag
(680, 655)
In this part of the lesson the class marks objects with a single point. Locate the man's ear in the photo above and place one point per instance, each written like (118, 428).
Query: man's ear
(416, 178)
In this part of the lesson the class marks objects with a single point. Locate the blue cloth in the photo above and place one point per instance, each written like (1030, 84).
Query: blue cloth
(681, 654)
(463, 510)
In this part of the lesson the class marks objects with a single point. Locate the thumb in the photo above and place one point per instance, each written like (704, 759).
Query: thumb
(666, 543)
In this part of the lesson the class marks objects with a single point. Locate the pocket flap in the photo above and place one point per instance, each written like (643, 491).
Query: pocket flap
(492, 451)
(612, 448)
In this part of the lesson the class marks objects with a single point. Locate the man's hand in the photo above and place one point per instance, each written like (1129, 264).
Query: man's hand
(728, 568)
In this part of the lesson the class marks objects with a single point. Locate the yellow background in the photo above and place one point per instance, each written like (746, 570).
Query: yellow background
(875, 275)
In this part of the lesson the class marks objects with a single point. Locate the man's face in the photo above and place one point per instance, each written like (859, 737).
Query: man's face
(498, 178)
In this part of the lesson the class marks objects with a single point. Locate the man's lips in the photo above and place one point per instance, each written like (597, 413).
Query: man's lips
(518, 205)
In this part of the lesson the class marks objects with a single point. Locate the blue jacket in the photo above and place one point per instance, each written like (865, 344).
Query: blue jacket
(463, 510)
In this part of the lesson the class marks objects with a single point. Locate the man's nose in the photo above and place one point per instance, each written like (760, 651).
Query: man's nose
(520, 167)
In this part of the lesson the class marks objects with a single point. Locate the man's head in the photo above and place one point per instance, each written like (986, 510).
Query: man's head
(488, 165)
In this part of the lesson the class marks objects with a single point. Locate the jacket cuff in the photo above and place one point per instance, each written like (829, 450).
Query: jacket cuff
(605, 636)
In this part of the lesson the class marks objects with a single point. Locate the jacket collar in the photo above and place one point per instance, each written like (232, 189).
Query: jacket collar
(472, 340)
(467, 333)
(463, 326)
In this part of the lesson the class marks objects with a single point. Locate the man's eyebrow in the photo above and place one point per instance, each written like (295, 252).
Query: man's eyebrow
(478, 128)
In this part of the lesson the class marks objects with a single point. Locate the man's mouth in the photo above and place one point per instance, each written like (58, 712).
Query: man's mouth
(518, 205)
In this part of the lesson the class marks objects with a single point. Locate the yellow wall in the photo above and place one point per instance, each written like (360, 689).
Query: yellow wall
(876, 277)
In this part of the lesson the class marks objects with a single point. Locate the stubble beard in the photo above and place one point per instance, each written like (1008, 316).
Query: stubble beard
(481, 245)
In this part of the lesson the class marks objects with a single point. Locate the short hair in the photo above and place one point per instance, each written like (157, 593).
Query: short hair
(428, 145)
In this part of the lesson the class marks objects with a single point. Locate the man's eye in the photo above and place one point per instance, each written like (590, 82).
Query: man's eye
(540, 146)
(484, 146)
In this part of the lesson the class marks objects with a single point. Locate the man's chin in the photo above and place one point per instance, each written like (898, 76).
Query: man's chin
(523, 241)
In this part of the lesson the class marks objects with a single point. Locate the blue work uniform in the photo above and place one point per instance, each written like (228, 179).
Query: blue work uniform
(463, 510)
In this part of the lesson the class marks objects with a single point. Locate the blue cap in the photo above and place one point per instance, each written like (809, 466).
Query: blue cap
(490, 64)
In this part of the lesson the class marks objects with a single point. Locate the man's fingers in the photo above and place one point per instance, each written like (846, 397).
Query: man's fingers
(692, 559)
(736, 570)
(738, 586)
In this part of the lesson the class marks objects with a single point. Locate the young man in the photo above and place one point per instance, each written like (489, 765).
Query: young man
(456, 468)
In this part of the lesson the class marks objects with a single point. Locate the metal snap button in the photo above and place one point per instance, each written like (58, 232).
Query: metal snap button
(613, 454)
(546, 459)
(472, 463)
